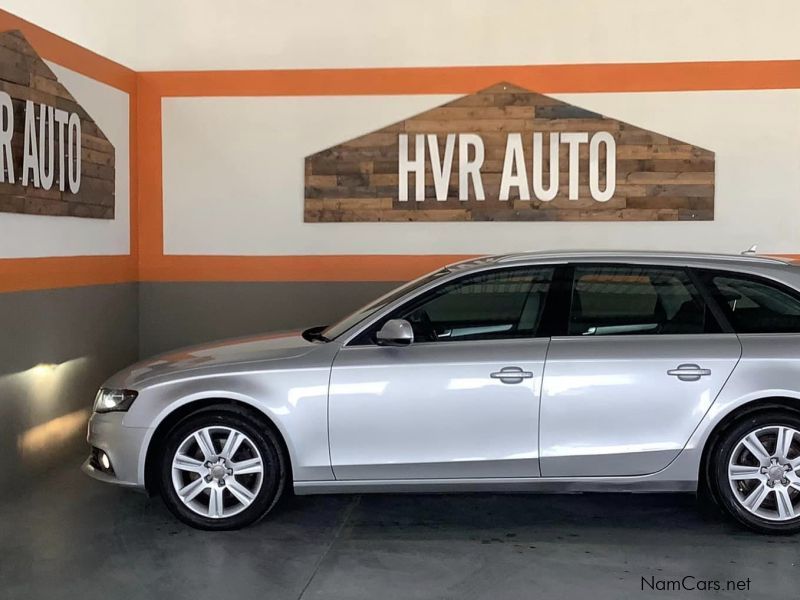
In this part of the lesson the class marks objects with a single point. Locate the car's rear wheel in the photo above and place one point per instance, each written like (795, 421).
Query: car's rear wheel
(756, 466)
(221, 470)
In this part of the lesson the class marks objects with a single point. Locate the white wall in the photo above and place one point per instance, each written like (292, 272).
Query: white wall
(233, 176)
(259, 143)
(263, 34)
(30, 236)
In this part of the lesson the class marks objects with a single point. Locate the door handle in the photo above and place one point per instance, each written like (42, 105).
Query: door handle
(689, 372)
(511, 375)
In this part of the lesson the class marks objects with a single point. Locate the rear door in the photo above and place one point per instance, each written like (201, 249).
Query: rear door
(643, 358)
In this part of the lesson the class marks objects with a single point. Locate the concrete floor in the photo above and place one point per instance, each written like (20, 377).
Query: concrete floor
(73, 538)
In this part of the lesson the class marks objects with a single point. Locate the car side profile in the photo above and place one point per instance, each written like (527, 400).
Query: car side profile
(564, 371)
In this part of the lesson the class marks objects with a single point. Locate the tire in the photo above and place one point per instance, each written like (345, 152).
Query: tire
(758, 484)
(220, 489)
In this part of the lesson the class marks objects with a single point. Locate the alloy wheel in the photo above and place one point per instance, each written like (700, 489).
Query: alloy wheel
(217, 471)
(764, 473)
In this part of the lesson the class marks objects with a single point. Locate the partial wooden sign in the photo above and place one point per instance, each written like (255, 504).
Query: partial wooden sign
(54, 159)
(509, 154)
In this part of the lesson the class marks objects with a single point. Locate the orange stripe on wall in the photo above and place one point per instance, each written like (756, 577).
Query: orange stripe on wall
(151, 212)
(133, 180)
(344, 267)
(25, 274)
(381, 267)
(623, 77)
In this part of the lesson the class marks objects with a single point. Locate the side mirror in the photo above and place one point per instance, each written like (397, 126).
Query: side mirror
(395, 332)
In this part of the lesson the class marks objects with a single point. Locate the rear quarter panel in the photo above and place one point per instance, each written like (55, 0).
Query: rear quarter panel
(769, 368)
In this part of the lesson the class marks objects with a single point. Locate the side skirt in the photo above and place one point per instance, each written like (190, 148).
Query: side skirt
(552, 485)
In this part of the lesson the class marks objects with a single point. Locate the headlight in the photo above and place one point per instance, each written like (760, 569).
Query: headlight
(114, 400)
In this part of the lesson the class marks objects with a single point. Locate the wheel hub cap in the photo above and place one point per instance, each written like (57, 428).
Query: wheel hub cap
(775, 473)
(218, 472)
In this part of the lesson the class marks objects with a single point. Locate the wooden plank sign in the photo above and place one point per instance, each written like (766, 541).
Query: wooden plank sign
(54, 159)
(509, 154)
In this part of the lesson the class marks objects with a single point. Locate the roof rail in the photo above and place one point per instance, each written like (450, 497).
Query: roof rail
(521, 256)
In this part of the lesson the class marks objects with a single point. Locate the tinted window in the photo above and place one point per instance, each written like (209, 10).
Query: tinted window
(362, 313)
(630, 300)
(492, 305)
(756, 306)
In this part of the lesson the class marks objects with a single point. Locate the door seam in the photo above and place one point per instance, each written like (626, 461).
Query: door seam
(539, 417)
(328, 412)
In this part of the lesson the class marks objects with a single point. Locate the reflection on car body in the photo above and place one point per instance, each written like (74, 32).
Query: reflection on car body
(574, 371)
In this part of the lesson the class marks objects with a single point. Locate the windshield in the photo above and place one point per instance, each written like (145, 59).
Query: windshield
(362, 313)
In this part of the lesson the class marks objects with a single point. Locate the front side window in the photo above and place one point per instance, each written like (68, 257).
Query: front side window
(756, 306)
(363, 313)
(636, 300)
(502, 304)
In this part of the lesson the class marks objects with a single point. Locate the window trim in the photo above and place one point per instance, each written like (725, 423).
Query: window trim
(404, 301)
(706, 276)
(705, 290)
(705, 295)
(558, 303)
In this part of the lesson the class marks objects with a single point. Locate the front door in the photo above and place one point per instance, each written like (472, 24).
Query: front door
(462, 401)
(643, 360)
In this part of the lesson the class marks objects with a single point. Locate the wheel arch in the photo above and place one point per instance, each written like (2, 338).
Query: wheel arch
(733, 417)
(199, 405)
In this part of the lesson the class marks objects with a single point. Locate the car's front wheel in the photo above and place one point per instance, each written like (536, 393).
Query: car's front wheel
(757, 472)
(220, 470)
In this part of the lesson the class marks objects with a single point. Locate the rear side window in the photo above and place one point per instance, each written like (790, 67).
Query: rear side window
(754, 305)
(636, 300)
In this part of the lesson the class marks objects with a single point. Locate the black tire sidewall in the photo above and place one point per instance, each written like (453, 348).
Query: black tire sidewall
(721, 457)
(274, 479)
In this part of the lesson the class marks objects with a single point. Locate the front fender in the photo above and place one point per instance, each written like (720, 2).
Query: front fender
(295, 401)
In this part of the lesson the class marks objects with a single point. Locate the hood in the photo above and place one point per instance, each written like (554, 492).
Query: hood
(215, 356)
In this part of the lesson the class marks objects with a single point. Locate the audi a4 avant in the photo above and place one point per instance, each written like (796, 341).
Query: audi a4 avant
(570, 371)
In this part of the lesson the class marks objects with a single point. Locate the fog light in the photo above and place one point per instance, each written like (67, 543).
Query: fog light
(100, 461)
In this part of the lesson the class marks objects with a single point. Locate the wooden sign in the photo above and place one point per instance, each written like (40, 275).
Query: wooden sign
(54, 159)
(509, 154)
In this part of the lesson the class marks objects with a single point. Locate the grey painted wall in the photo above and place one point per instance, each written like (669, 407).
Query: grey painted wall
(56, 347)
(178, 314)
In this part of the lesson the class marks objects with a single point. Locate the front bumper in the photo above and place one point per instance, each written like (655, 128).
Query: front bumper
(125, 447)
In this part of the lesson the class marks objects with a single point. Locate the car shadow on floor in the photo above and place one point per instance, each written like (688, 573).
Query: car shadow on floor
(455, 515)
(72, 537)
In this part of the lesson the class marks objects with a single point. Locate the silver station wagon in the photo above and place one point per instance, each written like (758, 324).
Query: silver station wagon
(568, 371)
